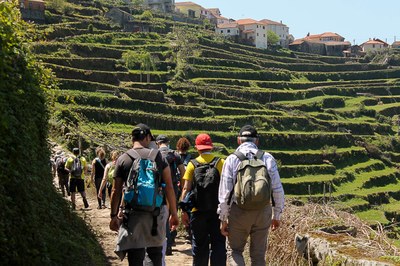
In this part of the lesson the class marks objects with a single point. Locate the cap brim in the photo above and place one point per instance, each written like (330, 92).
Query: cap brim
(204, 147)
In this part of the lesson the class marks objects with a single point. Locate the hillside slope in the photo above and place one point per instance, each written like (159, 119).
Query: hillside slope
(330, 122)
(37, 225)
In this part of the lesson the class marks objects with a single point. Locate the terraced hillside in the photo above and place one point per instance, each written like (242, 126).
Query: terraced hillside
(331, 122)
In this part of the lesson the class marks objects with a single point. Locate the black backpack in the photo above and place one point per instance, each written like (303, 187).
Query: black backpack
(205, 185)
(171, 159)
(60, 166)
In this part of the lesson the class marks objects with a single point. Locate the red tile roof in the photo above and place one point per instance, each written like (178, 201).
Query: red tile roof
(271, 22)
(375, 41)
(323, 35)
(246, 21)
(227, 25)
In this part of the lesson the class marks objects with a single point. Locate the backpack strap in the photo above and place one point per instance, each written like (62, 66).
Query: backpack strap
(240, 155)
(153, 154)
(133, 154)
(195, 163)
(214, 161)
(259, 154)
(99, 161)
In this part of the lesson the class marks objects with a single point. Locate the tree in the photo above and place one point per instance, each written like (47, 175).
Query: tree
(143, 60)
(272, 38)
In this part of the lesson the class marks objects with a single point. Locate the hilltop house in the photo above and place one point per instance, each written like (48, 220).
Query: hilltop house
(374, 45)
(166, 6)
(126, 20)
(253, 32)
(216, 17)
(230, 30)
(280, 29)
(396, 45)
(191, 9)
(328, 43)
(32, 10)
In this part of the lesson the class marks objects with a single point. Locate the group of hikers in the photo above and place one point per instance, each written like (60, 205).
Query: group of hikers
(222, 201)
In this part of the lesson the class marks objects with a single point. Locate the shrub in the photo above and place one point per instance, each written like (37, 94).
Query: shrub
(37, 226)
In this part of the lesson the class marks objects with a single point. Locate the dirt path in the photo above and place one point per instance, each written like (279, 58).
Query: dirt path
(99, 220)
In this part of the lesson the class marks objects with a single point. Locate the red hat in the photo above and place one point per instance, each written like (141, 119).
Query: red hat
(203, 142)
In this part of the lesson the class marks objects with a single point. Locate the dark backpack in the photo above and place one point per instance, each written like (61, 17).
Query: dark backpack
(76, 170)
(186, 159)
(205, 185)
(170, 156)
(253, 183)
(60, 166)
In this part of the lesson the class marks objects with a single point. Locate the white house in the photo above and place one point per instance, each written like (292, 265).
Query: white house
(374, 45)
(253, 32)
(228, 29)
(280, 29)
(217, 18)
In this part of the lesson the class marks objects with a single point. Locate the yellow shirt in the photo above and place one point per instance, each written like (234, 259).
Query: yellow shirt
(202, 158)
(70, 161)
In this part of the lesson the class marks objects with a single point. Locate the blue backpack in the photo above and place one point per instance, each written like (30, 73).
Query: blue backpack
(143, 188)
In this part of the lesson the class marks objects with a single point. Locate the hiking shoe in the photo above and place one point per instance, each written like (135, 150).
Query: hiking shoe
(85, 203)
(99, 207)
(168, 252)
(104, 206)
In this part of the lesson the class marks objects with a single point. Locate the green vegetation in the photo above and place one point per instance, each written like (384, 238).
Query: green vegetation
(332, 123)
(37, 226)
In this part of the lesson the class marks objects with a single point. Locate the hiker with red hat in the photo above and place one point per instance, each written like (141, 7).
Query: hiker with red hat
(201, 183)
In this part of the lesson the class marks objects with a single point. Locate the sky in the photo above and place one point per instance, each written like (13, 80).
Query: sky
(355, 20)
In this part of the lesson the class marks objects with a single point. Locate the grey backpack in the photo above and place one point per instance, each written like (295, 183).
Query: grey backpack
(253, 184)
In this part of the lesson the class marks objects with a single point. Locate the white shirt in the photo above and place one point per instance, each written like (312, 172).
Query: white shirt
(228, 180)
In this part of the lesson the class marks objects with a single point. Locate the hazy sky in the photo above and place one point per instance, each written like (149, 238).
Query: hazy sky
(355, 20)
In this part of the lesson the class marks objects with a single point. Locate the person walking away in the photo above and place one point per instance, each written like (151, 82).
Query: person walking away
(182, 147)
(108, 176)
(77, 167)
(202, 181)
(62, 174)
(249, 178)
(176, 166)
(140, 217)
(98, 166)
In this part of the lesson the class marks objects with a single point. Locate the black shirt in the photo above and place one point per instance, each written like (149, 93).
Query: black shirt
(124, 163)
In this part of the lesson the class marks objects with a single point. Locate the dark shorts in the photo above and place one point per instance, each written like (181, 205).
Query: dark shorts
(76, 183)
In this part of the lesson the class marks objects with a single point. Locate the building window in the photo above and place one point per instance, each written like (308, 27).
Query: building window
(222, 31)
(263, 27)
(257, 34)
(257, 26)
(264, 35)
(373, 46)
(229, 31)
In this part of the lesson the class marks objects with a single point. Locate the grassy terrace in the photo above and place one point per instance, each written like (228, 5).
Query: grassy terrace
(326, 120)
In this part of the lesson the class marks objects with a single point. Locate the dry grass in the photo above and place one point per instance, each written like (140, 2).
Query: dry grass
(368, 243)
